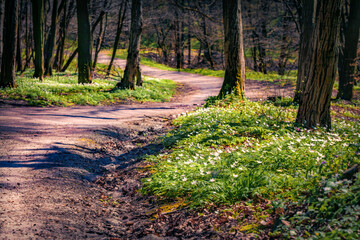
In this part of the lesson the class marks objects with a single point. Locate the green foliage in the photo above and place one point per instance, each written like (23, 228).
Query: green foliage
(234, 150)
(63, 90)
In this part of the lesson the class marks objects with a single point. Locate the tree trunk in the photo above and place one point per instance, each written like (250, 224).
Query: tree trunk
(28, 39)
(284, 48)
(234, 81)
(73, 55)
(133, 58)
(255, 39)
(1, 28)
(18, 40)
(38, 28)
(262, 51)
(179, 38)
(84, 42)
(51, 41)
(7, 76)
(99, 41)
(314, 106)
(347, 68)
(189, 44)
(307, 27)
(120, 24)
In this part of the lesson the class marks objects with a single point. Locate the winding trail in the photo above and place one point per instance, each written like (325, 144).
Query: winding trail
(46, 176)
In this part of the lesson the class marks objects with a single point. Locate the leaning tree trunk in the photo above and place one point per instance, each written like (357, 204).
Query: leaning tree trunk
(234, 81)
(120, 24)
(38, 28)
(314, 106)
(347, 67)
(307, 27)
(133, 58)
(99, 40)
(7, 76)
(84, 42)
(51, 41)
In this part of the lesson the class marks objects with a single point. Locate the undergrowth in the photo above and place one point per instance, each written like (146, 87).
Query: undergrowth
(233, 151)
(63, 90)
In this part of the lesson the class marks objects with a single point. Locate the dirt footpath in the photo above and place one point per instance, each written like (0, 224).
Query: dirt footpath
(68, 173)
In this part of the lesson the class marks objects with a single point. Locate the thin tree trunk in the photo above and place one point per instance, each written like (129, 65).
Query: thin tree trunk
(28, 39)
(7, 76)
(283, 58)
(307, 27)
(120, 23)
(347, 68)
(234, 81)
(84, 42)
(99, 41)
(314, 108)
(18, 41)
(262, 51)
(133, 59)
(51, 41)
(38, 28)
(1, 28)
(189, 44)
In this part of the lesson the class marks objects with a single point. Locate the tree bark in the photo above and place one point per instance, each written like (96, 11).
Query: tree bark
(1, 28)
(84, 42)
(314, 106)
(51, 41)
(99, 41)
(133, 58)
(38, 28)
(347, 67)
(262, 51)
(18, 40)
(120, 23)
(307, 26)
(7, 76)
(28, 35)
(234, 81)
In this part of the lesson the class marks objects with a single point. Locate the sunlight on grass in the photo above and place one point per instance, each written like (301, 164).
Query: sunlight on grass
(233, 151)
(63, 90)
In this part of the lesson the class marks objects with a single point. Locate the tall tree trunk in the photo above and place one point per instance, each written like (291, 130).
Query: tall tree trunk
(234, 81)
(314, 106)
(18, 40)
(27, 36)
(284, 56)
(7, 76)
(179, 38)
(307, 27)
(133, 58)
(120, 23)
(38, 28)
(189, 44)
(206, 45)
(255, 39)
(84, 42)
(51, 41)
(1, 28)
(347, 68)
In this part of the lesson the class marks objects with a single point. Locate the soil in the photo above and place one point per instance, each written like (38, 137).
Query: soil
(73, 173)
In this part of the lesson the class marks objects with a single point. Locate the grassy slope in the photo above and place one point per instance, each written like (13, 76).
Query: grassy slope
(62, 90)
(246, 151)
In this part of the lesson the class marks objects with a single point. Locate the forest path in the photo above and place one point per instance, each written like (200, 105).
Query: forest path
(48, 163)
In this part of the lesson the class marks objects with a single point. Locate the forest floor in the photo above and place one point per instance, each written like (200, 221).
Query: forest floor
(73, 173)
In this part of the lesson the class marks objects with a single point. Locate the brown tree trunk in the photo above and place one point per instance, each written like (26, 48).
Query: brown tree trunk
(314, 106)
(234, 81)
(51, 41)
(19, 66)
(120, 23)
(179, 38)
(84, 42)
(307, 27)
(38, 28)
(99, 41)
(7, 76)
(284, 48)
(133, 58)
(1, 28)
(28, 39)
(351, 37)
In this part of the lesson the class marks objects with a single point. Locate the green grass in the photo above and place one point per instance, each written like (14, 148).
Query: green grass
(252, 75)
(63, 90)
(233, 151)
